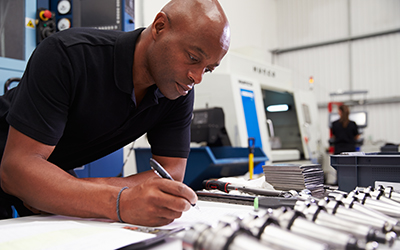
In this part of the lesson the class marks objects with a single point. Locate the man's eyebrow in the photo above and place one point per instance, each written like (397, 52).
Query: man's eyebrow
(201, 51)
(205, 55)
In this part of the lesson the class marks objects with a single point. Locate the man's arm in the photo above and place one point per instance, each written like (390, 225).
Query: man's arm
(174, 165)
(26, 173)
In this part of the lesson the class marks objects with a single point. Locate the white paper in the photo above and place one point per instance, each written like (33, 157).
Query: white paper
(210, 213)
(65, 235)
(61, 232)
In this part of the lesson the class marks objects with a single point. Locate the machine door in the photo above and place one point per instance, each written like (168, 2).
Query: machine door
(17, 37)
(307, 114)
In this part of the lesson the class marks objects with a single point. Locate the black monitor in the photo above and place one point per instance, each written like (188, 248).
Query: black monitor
(100, 14)
(208, 126)
(359, 117)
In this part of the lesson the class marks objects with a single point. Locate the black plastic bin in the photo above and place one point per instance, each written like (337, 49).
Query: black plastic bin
(364, 170)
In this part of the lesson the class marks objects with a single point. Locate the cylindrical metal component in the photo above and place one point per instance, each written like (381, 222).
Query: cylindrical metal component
(338, 209)
(366, 233)
(267, 229)
(374, 213)
(381, 194)
(209, 238)
(296, 223)
(395, 196)
(383, 208)
(350, 202)
(245, 241)
(194, 236)
(390, 193)
(377, 201)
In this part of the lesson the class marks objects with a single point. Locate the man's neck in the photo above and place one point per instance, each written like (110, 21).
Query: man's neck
(142, 79)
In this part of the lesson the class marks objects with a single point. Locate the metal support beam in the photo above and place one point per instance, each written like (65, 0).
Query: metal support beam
(369, 101)
(348, 39)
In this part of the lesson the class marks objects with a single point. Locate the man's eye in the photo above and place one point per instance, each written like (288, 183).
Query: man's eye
(194, 59)
(207, 70)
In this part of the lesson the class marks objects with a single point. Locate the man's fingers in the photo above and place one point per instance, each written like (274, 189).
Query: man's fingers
(156, 202)
(178, 189)
(175, 203)
(162, 199)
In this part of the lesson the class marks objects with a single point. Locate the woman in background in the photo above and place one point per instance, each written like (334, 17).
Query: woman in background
(345, 132)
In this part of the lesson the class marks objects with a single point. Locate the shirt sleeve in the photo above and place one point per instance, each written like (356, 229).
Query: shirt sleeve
(40, 107)
(355, 129)
(171, 136)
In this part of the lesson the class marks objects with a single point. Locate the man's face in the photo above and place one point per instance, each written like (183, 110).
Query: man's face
(180, 58)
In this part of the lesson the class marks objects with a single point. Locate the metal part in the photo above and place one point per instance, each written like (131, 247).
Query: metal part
(267, 229)
(227, 235)
(342, 40)
(194, 236)
(296, 222)
(376, 204)
(381, 206)
(320, 216)
(380, 194)
(352, 202)
(226, 187)
(341, 221)
(390, 193)
(338, 209)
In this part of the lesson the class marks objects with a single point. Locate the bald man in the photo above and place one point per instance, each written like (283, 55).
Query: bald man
(86, 93)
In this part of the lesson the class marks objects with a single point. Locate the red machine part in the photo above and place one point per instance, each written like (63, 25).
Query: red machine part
(330, 108)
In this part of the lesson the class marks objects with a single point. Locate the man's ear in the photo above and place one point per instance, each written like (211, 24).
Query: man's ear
(160, 23)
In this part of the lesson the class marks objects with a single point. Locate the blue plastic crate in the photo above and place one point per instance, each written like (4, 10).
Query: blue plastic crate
(208, 162)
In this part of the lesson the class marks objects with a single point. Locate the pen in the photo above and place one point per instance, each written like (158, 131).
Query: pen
(160, 171)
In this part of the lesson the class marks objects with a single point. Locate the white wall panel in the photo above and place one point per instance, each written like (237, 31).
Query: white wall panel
(373, 65)
(253, 23)
(383, 123)
(328, 67)
(310, 21)
(370, 16)
(253, 26)
(376, 65)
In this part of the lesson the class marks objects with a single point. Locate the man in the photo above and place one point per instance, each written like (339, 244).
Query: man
(86, 93)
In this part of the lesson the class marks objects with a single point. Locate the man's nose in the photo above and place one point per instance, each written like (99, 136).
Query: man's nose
(196, 75)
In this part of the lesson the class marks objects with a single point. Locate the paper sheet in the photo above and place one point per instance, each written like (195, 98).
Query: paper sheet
(61, 232)
(209, 213)
(65, 235)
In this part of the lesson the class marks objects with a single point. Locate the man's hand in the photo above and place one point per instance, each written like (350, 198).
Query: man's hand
(155, 202)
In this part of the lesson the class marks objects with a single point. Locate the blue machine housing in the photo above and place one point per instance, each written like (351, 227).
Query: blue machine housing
(208, 162)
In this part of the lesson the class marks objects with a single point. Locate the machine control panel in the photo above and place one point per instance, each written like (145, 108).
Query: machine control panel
(63, 7)
(63, 10)
(45, 24)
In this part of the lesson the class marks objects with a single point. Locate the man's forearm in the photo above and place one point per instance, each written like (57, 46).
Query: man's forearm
(175, 166)
(128, 181)
(47, 188)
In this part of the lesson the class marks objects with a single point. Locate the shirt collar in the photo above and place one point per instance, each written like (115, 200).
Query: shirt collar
(123, 60)
(123, 64)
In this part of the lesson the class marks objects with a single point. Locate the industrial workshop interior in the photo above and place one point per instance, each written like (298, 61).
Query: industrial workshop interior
(260, 124)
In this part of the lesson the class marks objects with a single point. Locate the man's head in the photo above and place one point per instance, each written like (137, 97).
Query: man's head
(188, 39)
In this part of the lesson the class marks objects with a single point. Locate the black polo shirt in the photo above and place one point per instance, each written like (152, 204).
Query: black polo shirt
(77, 94)
(344, 137)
